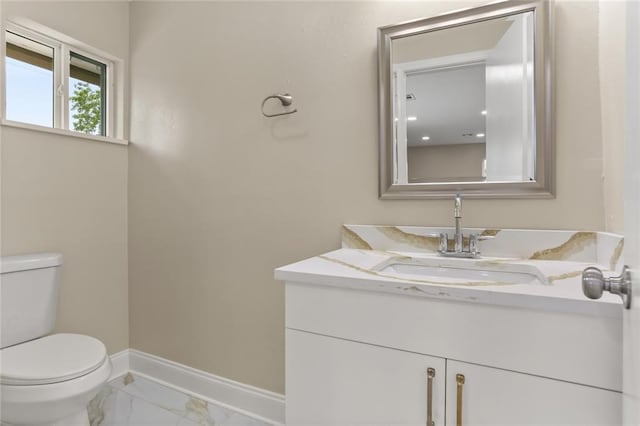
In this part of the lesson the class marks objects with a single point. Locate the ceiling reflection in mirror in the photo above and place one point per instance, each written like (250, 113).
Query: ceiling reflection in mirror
(463, 103)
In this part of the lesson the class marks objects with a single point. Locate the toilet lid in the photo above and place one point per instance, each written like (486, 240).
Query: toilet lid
(51, 359)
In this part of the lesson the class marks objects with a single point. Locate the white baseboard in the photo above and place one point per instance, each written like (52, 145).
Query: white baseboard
(119, 364)
(247, 399)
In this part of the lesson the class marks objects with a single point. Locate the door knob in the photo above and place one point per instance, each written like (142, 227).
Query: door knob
(594, 284)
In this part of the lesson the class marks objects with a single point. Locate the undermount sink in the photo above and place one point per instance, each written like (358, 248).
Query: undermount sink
(432, 270)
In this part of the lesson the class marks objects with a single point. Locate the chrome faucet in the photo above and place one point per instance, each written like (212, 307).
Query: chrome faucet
(457, 213)
(458, 239)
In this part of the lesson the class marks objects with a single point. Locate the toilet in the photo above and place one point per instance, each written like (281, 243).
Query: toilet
(45, 379)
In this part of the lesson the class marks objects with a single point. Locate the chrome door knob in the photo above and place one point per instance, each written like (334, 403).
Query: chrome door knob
(594, 284)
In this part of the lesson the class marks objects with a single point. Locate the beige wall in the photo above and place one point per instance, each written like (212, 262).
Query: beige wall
(445, 162)
(612, 90)
(205, 234)
(69, 195)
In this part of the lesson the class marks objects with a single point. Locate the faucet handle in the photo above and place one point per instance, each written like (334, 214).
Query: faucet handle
(443, 241)
(474, 239)
(473, 244)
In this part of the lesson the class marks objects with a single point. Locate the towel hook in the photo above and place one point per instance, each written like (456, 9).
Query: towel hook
(285, 99)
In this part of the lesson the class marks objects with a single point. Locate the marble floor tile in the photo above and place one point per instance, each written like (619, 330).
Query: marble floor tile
(136, 401)
(116, 408)
(237, 419)
(203, 413)
(152, 392)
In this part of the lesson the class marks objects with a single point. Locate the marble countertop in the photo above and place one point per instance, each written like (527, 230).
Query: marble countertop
(361, 269)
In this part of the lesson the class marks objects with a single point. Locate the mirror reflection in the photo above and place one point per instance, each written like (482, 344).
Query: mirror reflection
(463, 103)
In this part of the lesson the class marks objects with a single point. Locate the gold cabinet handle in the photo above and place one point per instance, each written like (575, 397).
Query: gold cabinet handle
(460, 382)
(431, 373)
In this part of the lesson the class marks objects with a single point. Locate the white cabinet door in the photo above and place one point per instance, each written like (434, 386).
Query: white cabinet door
(494, 397)
(331, 381)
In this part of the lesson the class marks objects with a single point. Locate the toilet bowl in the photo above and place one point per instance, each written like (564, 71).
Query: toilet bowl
(50, 380)
(45, 379)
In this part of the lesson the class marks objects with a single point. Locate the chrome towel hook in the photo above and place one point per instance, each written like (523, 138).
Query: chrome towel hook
(285, 99)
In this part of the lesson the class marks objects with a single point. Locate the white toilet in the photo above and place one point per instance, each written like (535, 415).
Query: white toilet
(45, 379)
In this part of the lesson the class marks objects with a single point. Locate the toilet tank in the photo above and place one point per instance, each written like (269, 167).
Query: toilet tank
(28, 296)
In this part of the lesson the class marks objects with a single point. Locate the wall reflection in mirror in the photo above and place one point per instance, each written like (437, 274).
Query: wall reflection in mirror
(463, 103)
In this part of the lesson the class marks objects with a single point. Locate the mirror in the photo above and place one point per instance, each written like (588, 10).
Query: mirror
(465, 104)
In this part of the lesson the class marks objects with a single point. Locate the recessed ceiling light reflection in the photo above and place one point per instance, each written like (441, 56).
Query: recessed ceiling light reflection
(479, 135)
(412, 118)
(425, 138)
(483, 112)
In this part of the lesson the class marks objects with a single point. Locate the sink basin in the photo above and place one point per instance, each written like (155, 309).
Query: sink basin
(429, 270)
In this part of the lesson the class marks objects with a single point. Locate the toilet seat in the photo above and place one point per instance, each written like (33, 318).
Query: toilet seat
(51, 359)
(38, 404)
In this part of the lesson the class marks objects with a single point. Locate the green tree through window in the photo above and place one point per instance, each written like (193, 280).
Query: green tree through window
(86, 104)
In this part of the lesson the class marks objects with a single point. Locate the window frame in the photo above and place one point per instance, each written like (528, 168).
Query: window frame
(104, 80)
(61, 83)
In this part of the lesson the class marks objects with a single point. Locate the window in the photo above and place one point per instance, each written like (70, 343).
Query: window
(55, 84)
(87, 100)
(29, 79)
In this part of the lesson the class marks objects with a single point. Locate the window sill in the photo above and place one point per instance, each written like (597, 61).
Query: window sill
(62, 132)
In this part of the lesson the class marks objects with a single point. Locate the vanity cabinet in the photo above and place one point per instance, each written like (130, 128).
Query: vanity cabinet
(496, 397)
(362, 357)
(332, 381)
(336, 382)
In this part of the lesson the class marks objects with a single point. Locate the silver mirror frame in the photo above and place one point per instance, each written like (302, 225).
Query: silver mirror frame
(544, 186)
